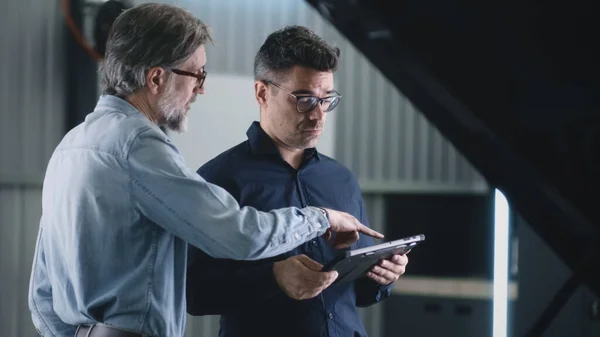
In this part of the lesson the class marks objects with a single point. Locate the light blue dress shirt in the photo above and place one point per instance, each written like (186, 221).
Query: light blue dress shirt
(118, 206)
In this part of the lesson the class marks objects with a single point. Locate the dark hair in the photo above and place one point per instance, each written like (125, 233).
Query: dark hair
(146, 36)
(294, 46)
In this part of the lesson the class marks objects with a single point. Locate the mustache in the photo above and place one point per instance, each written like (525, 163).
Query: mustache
(311, 126)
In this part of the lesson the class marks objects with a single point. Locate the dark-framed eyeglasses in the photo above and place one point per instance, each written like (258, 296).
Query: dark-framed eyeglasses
(200, 77)
(305, 103)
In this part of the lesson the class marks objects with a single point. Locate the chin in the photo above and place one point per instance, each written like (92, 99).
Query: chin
(179, 125)
(310, 143)
(182, 129)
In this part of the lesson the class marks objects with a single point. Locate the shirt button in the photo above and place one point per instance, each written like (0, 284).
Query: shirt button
(330, 315)
(314, 243)
(297, 236)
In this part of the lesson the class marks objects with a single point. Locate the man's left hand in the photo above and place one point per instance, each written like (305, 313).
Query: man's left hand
(388, 271)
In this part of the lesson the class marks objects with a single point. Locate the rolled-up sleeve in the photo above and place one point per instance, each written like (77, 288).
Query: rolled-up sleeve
(174, 197)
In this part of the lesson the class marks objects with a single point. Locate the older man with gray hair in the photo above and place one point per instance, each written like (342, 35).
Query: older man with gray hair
(120, 205)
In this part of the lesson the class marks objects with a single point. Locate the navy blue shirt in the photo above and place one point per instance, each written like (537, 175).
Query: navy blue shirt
(245, 293)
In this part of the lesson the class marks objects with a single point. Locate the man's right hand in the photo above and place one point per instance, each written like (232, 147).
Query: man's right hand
(347, 229)
(301, 278)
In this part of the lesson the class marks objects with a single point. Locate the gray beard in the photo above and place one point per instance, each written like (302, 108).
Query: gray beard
(175, 118)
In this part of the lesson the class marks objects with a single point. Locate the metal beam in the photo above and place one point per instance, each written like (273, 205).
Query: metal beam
(395, 187)
(22, 180)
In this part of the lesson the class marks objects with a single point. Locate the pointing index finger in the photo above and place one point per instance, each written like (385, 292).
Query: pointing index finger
(368, 231)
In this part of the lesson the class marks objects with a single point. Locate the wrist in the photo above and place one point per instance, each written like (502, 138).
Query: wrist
(276, 273)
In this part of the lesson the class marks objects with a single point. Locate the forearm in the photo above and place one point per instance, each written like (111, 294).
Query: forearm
(223, 230)
(206, 215)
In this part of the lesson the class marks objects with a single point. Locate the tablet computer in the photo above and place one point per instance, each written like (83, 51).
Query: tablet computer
(353, 264)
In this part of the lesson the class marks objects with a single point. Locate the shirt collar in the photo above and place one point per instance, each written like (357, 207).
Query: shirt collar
(261, 143)
(110, 102)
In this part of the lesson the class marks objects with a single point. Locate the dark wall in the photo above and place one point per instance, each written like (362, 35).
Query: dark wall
(541, 274)
(455, 225)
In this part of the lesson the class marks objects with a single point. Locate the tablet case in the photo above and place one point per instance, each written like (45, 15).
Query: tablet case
(353, 264)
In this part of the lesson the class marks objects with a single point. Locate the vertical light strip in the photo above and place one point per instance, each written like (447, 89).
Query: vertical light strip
(499, 324)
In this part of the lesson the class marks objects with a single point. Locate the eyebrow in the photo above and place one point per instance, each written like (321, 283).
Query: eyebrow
(311, 93)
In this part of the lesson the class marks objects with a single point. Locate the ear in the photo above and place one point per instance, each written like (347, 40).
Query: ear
(156, 78)
(260, 93)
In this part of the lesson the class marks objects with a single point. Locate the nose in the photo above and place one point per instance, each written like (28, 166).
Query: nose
(317, 113)
(199, 89)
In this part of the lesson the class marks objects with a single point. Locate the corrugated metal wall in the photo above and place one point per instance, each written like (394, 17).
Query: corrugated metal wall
(31, 124)
(389, 144)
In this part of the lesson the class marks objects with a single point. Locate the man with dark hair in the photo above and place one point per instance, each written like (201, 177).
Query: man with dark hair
(119, 203)
(279, 166)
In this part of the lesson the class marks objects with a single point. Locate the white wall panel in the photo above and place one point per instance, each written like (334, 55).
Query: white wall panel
(31, 124)
(31, 88)
(19, 219)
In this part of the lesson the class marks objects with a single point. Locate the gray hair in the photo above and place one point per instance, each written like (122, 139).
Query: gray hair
(146, 36)
(294, 46)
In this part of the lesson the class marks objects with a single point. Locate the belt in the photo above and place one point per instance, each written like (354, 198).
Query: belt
(101, 330)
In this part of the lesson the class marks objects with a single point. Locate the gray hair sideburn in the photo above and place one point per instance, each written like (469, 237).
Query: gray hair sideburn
(146, 36)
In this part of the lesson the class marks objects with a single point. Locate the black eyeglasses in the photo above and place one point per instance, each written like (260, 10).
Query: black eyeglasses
(308, 103)
(200, 77)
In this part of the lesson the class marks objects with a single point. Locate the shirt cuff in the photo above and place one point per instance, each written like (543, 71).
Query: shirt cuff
(318, 218)
(317, 224)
